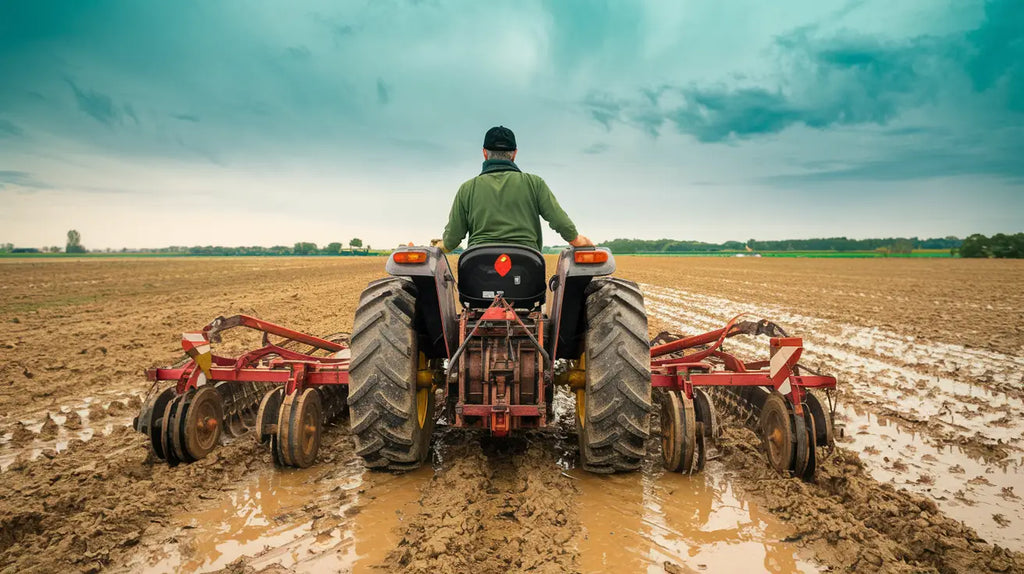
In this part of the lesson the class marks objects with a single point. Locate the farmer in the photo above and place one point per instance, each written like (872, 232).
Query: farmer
(503, 204)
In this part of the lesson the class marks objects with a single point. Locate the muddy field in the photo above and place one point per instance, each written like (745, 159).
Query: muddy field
(929, 475)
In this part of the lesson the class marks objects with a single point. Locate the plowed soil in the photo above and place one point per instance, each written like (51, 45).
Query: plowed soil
(928, 476)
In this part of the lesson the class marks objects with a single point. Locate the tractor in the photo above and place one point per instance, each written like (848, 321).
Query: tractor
(494, 362)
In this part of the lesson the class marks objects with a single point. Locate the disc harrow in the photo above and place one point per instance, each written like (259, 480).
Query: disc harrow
(288, 389)
(285, 391)
(771, 397)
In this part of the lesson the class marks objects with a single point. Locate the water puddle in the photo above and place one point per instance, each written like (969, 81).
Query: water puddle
(966, 488)
(656, 522)
(341, 518)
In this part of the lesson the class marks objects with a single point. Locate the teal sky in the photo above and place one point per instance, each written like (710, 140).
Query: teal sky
(144, 123)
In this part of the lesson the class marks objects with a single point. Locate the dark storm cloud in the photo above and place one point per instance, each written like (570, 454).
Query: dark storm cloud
(100, 106)
(842, 80)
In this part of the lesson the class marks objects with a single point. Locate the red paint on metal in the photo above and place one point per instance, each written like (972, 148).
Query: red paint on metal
(503, 264)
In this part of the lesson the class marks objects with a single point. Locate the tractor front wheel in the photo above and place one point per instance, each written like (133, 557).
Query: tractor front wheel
(613, 424)
(391, 418)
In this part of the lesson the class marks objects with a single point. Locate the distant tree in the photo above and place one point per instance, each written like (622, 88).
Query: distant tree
(6, 247)
(304, 248)
(333, 248)
(975, 245)
(902, 246)
(74, 242)
(355, 242)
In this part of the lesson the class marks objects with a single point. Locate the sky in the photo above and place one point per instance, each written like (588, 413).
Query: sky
(145, 124)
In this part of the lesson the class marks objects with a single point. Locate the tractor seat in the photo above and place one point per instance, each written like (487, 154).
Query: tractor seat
(511, 271)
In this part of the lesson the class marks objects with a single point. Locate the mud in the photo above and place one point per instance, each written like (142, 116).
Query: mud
(499, 506)
(862, 525)
(930, 357)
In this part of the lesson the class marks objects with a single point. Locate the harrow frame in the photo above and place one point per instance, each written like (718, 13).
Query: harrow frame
(685, 369)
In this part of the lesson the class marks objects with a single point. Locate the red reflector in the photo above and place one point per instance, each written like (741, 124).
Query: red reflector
(410, 256)
(503, 264)
(589, 257)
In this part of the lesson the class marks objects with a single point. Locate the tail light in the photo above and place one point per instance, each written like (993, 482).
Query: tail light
(412, 256)
(591, 257)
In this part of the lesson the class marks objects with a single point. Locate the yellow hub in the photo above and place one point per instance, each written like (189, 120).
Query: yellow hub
(425, 375)
(422, 401)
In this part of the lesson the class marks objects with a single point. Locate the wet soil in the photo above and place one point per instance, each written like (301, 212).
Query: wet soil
(928, 477)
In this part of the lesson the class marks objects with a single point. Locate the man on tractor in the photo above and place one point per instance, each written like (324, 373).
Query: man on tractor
(503, 204)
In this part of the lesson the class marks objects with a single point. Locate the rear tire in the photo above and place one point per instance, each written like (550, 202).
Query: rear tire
(615, 422)
(382, 379)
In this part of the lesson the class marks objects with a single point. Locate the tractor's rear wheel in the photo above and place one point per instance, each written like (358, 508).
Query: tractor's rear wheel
(392, 427)
(613, 426)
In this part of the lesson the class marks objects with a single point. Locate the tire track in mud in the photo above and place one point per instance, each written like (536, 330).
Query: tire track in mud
(493, 506)
(970, 469)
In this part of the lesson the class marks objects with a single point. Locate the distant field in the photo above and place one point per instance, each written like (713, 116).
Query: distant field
(829, 254)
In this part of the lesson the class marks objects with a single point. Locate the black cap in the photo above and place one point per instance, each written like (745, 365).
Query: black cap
(500, 138)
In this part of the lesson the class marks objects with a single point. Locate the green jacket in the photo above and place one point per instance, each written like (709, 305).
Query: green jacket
(504, 205)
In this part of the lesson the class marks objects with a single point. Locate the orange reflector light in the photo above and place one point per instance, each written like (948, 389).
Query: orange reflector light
(410, 256)
(591, 257)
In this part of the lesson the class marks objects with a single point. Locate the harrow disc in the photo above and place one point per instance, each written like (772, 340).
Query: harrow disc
(706, 415)
(777, 433)
(266, 417)
(163, 426)
(803, 446)
(303, 440)
(679, 442)
(812, 455)
(202, 421)
(156, 430)
(823, 435)
(279, 440)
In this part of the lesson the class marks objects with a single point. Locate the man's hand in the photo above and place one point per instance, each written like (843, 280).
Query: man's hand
(437, 243)
(581, 241)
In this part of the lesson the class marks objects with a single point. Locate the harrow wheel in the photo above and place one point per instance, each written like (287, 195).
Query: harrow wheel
(777, 433)
(304, 427)
(266, 417)
(201, 420)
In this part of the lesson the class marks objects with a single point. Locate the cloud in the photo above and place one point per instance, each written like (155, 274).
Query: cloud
(596, 148)
(383, 93)
(845, 79)
(9, 129)
(100, 106)
(22, 179)
(186, 118)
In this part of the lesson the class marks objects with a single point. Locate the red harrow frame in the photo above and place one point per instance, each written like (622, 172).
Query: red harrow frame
(297, 390)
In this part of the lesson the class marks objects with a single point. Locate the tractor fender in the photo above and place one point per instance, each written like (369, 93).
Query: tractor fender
(568, 294)
(436, 319)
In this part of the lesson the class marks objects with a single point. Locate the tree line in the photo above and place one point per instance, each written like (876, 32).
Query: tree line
(889, 244)
(999, 246)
